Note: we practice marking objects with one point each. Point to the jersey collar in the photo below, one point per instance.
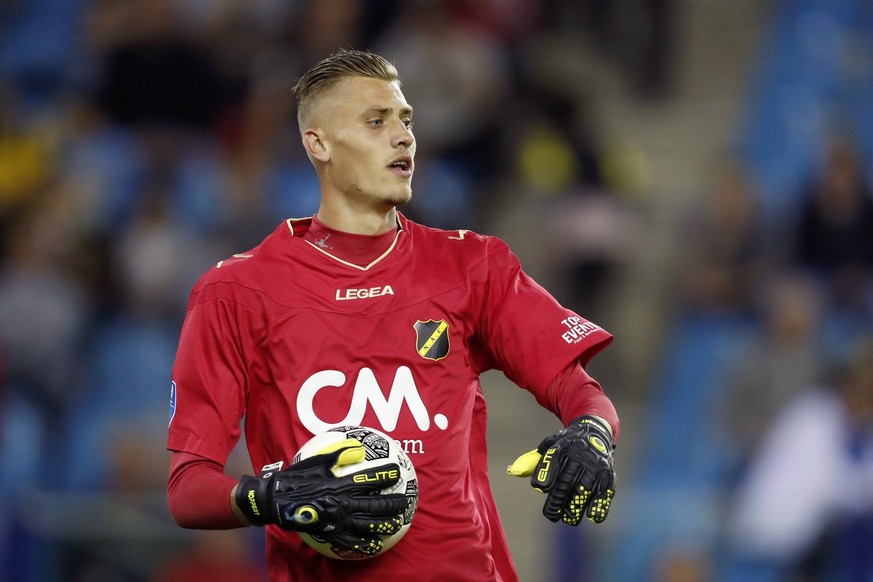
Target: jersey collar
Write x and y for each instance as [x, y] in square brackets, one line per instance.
[357, 251]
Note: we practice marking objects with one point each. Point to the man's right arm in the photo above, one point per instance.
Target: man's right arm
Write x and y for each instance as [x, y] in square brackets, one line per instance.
[200, 495]
[306, 497]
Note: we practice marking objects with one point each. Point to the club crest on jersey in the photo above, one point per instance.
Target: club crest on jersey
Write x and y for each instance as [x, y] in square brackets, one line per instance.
[432, 339]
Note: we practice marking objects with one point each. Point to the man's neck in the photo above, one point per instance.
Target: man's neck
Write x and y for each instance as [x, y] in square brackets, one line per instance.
[355, 221]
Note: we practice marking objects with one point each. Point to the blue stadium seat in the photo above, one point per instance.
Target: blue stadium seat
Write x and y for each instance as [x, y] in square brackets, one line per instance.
[684, 463]
[794, 92]
[128, 382]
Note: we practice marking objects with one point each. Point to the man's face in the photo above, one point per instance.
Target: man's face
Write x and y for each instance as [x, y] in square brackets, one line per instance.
[366, 128]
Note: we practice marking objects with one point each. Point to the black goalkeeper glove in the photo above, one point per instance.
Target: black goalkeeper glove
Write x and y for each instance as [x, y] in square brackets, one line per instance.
[573, 467]
[308, 498]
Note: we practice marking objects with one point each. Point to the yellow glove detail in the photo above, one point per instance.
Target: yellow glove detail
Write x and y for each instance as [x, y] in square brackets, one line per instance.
[354, 452]
[525, 464]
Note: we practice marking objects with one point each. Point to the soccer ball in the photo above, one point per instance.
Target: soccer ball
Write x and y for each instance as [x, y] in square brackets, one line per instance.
[380, 449]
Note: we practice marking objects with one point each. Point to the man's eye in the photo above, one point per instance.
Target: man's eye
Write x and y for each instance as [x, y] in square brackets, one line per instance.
[408, 123]
[375, 122]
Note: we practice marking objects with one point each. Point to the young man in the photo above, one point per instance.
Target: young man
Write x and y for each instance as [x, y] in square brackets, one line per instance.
[358, 316]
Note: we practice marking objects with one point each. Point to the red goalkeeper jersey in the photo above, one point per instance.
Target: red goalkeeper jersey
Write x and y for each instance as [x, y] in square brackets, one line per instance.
[296, 340]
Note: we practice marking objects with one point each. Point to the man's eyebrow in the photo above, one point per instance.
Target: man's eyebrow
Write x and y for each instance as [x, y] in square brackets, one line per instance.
[387, 110]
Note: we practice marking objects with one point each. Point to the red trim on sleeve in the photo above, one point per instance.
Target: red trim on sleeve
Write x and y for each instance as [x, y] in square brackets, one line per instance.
[198, 493]
[573, 393]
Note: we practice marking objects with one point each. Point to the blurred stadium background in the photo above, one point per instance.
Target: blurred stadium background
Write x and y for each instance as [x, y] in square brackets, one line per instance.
[694, 175]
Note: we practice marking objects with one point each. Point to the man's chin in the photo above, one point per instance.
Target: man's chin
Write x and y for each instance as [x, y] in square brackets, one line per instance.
[400, 198]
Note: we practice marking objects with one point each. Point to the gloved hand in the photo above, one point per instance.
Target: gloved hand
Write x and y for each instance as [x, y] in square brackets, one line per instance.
[307, 497]
[573, 467]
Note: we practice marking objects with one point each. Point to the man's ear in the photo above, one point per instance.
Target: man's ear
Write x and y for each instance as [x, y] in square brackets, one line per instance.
[314, 146]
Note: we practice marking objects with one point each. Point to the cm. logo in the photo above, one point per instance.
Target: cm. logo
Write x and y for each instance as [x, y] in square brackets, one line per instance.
[366, 393]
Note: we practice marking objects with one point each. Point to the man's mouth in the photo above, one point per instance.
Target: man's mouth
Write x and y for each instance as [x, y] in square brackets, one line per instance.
[402, 166]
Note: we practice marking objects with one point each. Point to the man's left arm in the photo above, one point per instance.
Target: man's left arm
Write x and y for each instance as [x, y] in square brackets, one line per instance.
[573, 393]
[574, 465]
[543, 347]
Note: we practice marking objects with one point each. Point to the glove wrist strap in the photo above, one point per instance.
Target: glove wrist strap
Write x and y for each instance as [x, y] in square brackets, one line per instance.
[595, 422]
[253, 499]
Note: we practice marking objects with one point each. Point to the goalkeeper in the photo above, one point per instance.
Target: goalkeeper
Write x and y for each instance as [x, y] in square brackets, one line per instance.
[360, 316]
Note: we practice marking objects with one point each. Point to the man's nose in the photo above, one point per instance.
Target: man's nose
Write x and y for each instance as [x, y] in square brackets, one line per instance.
[403, 136]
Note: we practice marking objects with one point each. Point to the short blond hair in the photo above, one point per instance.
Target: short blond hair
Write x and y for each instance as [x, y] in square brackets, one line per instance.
[326, 73]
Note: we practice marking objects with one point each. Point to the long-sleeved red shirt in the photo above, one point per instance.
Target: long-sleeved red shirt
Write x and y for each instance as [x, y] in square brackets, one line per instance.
[296, 335]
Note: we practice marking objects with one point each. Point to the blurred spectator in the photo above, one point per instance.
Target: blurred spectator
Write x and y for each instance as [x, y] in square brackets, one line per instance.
[44, 316]
[101, 166]
[782, 360]
[272, 176]
[724, 244]
[26, 153]
[155, 258]
[640, 36]
[592, 235]
[156, 76]
[117, 424]
[805, 508]
[557, 168]
[555, 145]
[263, 143]
[834, 235]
